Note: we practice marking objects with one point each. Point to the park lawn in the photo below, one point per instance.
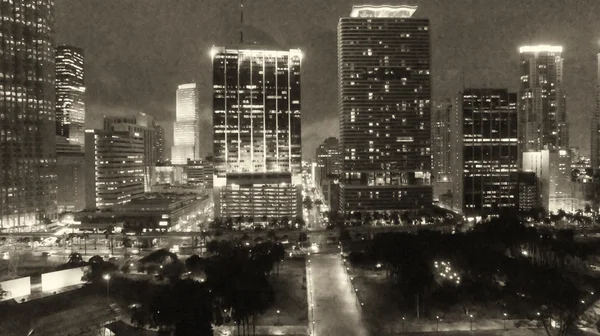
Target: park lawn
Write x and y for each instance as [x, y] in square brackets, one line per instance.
[379, 302]
[290, 295]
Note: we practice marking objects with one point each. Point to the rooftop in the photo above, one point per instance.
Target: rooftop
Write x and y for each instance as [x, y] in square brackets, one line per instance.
[384, 11]
[540, 48]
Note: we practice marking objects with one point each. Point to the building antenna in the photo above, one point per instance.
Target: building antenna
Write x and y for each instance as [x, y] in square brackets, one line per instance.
[241, 21]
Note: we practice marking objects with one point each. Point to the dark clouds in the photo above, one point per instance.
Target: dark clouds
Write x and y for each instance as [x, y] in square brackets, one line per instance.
[138, 51]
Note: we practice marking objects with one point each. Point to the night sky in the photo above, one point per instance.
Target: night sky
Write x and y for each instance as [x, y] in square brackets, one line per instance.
[138, 51]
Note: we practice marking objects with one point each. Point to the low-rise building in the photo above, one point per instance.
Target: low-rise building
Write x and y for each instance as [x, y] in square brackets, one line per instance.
[154, 212]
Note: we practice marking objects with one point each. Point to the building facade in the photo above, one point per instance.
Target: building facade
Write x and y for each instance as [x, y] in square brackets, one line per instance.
[27, 119]
[490, 151]
[384, 109]
[114, 167]
[527, 199]
[153, 212]
[542, 107]
[159, 143]
[257, 144]
[595, 126]
[327, 172]
[142, 124]
[70, 172]
[70, 94]
[185, 129]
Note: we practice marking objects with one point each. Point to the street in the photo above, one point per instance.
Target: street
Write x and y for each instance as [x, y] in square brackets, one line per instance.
[335, 309]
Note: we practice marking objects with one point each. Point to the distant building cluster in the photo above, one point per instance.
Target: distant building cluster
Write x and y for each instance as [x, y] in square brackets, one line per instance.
[478, 153]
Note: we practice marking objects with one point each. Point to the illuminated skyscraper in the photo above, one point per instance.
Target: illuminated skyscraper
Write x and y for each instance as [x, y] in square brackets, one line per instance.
[384, 109]
[542, 110]
[70, 91]
[27, 120]
[595, 147]
[185, 129]
[257, 146]
[490, 151]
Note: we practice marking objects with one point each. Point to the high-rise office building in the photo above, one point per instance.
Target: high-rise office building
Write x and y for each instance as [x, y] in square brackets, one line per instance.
[141, 123]
[328, 160]
[27, 120]
[160, 143]
[490, 151]
[327, 172]
[595, 146]
[185, 129]
[257, 145]
[70, 91]
[70, 128]
[384, 97]
[542, 109]
[444, 133]
[70, 177]
[114, 167]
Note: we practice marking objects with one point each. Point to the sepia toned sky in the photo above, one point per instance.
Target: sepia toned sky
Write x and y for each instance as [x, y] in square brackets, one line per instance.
[138, 51]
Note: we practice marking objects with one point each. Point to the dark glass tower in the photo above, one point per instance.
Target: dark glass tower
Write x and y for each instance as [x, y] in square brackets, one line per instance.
[384, 109]
[256, 120]
[27, 121]
[70, 91]
[490, 151]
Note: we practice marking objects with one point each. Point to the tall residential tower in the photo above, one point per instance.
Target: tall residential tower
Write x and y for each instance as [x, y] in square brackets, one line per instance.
[27, 120]
[542, 110]
[384, 97]
[257, 145]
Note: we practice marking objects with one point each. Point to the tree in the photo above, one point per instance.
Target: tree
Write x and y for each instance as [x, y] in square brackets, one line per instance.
[75, 259]
[3, 293]
[308, 204]
[302, 238]
[196, 264]
[300, 223]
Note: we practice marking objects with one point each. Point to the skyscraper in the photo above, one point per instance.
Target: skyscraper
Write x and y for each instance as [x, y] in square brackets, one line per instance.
[441, 146]
[185, 129]
[490, 151]
[160, 143]
[595, 146]
[27, 120]
[327, 171]
[70, 91]
[542, 110]
[257, 145]
[384, 109]
[141, 123]
[114, 166]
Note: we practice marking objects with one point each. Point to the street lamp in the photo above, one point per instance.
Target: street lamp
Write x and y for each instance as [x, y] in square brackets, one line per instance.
[505, 317]
[471, 322]
[107, 278]
[403, 321]
[278, 316]
[437, 323]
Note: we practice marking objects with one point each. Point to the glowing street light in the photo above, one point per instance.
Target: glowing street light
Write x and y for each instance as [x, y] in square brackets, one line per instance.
[471, 321]
[505, 317]
[278, 316]
[107, 278]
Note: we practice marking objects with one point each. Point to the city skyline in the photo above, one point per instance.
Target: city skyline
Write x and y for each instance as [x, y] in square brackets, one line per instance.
[462, 37]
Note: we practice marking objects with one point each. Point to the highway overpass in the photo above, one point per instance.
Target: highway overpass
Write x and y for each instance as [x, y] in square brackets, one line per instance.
[252, 233]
